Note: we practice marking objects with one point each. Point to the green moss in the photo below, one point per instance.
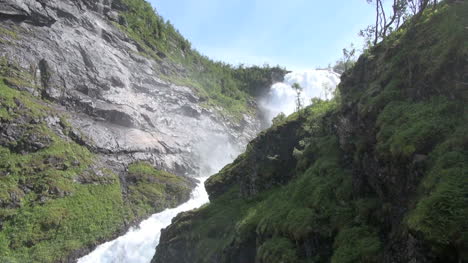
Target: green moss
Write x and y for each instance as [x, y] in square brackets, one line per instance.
[57, 198]
[441, 211]
[278, 250]
[50, 232]
[317, 203]
[406, 128]
[220, 218]
[402, 119]
[221, 86]
[46, 213]
[152, 190]
[4, 32]
[58, 215]
[356, 244]
[15, 104]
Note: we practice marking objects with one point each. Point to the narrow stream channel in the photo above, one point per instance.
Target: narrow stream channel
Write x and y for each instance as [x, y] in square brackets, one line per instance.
[139, 243]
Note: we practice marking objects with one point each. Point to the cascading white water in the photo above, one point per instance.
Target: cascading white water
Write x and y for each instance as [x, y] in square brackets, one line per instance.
[139, 243]
[316, 83]
[100, 9]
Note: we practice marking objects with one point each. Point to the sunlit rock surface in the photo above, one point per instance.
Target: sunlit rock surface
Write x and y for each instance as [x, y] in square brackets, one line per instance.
[118, 105]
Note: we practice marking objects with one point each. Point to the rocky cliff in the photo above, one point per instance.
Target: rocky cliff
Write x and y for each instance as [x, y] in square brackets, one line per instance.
[378, 174]
[102, 123]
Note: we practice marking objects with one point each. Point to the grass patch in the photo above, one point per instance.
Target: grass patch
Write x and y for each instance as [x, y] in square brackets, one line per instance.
[55, 198]
[230, 89]
[152, 190]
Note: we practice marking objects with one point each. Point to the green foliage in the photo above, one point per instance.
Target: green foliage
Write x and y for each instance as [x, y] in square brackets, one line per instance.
[317, 203]
[408, 98]
[219, 219]
[278, 250]
[59, 199]
[441, 211]
[152, 190]
[220, 85]
[347, 61]
[280, 118]
[406, 128]
[55, 215]
[49, 232]
[298, 89]
[4, 32]
[356, 244]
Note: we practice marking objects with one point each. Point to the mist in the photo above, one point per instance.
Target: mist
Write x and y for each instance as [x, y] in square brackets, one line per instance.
[138, 245]
[214, 152]
[282, 98]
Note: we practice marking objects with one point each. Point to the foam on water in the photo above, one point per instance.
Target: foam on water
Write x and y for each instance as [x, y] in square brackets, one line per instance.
[139, 244]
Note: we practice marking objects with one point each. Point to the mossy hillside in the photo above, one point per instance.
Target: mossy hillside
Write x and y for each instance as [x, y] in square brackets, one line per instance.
[441, 208]
[425, 57]
[45, 212]
[217, 230]
[264, 164]
[56, 198]
[222, 86]
[417, 98]
[406, 128]
[316, 203]
[380, 169]
[152, 190]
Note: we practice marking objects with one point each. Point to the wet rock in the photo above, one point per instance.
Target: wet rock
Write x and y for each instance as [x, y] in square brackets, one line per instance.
[114, 16]
[117, 104]
[21, 137]
[267, 164]
[90, 72]
[31, 11]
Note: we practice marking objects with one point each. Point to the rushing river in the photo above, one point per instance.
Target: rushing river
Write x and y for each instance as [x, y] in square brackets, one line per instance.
[138, 244]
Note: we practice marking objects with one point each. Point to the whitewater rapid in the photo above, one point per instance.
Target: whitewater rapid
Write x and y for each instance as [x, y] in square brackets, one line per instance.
[138, 245]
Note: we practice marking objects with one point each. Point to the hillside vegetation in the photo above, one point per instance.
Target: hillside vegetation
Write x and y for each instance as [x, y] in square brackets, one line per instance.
[60, 194]
[56, 197]
[230, 88]
[378, 174]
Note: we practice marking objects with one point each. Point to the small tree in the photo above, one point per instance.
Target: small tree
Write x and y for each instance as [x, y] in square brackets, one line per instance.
[298, 89]
[347, 61]
[385, 23]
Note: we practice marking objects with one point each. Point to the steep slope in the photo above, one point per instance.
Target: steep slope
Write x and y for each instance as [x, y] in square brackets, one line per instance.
[379, 174]
[104, 108]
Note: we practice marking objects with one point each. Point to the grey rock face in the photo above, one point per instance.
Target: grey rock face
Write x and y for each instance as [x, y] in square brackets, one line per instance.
[118, 107]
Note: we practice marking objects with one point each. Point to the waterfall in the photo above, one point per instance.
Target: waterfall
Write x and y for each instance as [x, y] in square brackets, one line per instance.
[139, 243]
[100, 10]
[316, 83]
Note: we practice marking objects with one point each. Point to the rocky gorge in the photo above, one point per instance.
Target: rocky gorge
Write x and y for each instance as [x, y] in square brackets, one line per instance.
[377, 174]
[97, 128]
[108, 119]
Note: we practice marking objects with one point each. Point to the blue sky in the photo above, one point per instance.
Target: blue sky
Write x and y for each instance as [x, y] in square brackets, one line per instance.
[298, 34]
